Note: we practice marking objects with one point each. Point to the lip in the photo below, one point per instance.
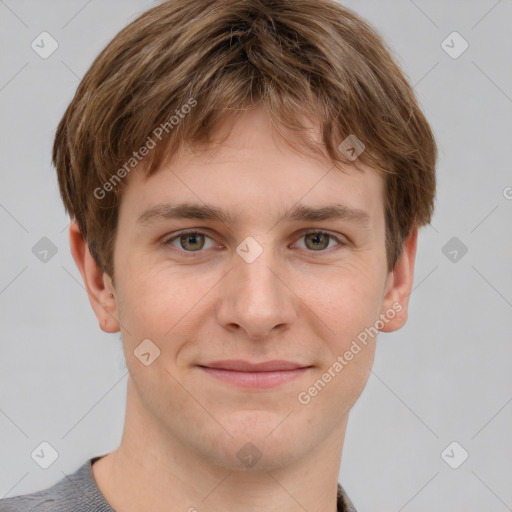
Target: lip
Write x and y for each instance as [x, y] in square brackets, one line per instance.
[248, 375]
[240, 365]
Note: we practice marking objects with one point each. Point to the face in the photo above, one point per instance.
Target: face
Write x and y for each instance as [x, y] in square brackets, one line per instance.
[256, 313]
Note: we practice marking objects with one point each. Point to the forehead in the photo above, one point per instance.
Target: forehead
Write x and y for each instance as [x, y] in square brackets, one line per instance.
[252, 170]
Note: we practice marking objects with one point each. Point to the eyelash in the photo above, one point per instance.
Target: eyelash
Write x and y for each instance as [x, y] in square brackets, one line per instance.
[194, 254]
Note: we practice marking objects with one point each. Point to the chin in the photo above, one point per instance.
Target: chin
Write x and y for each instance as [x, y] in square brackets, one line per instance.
[261, 441]
[256, 455]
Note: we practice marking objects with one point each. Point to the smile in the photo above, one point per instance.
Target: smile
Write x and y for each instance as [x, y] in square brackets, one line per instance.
[255, 376]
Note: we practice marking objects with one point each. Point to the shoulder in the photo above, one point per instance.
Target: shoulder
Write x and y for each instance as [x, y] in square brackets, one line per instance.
[40, 501]
[77, 492]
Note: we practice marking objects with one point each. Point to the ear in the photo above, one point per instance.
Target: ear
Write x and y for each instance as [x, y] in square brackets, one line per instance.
[98, 284]
[398, 286]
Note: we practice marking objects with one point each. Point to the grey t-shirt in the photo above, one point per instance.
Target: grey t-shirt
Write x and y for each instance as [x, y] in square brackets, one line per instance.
[78, 492]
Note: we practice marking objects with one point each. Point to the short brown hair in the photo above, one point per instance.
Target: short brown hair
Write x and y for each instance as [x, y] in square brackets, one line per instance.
[296, 57]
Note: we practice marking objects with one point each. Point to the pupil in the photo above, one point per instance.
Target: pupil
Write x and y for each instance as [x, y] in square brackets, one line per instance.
[190, 239]
[317, 240]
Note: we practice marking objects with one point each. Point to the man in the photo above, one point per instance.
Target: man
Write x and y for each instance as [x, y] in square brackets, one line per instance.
[246, 181]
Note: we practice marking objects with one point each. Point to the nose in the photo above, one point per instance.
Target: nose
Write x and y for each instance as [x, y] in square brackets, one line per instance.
[256, 298]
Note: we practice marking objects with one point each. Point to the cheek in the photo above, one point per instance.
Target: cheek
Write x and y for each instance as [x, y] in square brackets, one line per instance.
[349, 306]
[160, 304]
[348, 301]
[349, 309]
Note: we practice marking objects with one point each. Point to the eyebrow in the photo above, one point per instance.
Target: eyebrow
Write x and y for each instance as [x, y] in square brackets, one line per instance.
[164, 211]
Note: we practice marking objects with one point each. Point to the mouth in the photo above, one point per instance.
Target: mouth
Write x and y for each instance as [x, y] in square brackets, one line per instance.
[248, 375]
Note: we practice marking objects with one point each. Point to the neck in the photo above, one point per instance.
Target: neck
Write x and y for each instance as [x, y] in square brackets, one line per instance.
[151, 470]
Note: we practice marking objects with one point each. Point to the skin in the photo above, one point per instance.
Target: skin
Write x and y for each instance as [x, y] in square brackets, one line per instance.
[183, 428]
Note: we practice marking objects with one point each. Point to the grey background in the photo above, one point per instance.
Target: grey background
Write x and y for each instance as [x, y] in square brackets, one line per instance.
[445, 376]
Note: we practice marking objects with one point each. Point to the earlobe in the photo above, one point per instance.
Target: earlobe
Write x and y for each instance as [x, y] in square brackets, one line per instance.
[98, 284]
[398, 287]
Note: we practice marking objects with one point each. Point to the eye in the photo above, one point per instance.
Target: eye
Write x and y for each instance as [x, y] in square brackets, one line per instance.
[194, 241]
[189, 241]
[318, 241]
